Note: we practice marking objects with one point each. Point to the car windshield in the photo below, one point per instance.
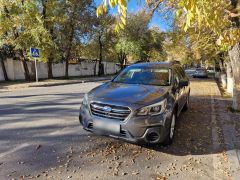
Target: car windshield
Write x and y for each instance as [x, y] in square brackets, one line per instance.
[145, 76]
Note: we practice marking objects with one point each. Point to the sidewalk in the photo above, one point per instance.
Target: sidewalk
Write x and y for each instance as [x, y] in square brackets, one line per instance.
[11, 86]
[209, 105]
[229, 124]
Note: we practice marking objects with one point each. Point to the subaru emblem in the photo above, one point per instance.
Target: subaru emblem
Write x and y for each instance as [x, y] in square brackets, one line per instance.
[107, 109]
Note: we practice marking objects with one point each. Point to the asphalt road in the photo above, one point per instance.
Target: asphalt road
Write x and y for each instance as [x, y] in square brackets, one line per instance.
[40, 137]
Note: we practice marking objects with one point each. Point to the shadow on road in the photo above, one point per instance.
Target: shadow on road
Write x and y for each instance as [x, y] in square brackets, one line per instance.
[193, 134]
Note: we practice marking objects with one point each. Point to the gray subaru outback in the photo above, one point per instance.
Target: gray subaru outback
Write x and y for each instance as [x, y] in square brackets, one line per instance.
[140, 105]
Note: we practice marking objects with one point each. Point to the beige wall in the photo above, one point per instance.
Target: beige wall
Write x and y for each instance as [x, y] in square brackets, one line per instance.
[16, 72]
[1, 74]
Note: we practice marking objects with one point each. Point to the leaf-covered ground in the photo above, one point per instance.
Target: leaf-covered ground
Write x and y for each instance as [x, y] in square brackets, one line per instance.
[40, 138]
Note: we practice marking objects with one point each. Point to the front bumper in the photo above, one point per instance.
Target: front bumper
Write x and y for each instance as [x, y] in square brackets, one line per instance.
[135, 129]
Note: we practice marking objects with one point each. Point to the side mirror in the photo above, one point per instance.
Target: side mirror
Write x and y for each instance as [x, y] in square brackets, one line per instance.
[183, 83]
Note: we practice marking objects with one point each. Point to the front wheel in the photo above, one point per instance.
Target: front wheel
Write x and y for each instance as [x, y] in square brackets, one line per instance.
[170, 136]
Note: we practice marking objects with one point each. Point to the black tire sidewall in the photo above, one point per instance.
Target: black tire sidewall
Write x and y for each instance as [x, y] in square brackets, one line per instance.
[169, 140]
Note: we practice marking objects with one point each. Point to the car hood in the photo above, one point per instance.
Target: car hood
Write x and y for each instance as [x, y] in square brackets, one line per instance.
[128, 93]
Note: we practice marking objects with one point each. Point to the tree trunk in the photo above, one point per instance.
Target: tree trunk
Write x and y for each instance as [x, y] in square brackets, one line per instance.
[66, 67]
[50, 29]
[95, 68]
[122, 59]
[230, 82]
[234, 54]
[221, 63]
[50, 59]
[101, 68]
[4, 70]
[26, 71]
[69, 48]
[49, 63]
[25, 67]
[16, 35]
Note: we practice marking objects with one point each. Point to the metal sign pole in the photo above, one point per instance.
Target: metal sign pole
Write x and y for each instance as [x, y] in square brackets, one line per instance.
[36, 70]
[35, 53]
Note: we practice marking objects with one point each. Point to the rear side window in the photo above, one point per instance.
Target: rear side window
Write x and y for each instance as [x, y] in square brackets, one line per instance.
[182, 72]
[179, 74]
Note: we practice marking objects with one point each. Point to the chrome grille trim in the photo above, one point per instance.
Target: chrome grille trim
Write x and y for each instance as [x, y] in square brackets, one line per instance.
[117, 112]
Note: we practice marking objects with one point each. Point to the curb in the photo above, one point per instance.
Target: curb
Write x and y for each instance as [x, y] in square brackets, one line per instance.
[51, 84]
[70, 82]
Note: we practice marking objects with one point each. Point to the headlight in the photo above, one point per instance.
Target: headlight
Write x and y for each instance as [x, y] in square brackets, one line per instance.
[85, 100]
[154, 109]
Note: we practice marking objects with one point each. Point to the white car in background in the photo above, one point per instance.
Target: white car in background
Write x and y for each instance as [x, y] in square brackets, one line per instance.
[211, 70]
[190, 72]
[200, 73]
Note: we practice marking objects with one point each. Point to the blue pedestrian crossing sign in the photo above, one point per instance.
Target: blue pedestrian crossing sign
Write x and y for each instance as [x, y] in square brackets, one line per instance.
[35, 53]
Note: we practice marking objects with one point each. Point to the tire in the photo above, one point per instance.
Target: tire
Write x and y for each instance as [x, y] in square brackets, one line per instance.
[185, 107]
[170, 136]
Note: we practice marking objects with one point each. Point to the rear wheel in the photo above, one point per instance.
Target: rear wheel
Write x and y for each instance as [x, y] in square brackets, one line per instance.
[170, 136]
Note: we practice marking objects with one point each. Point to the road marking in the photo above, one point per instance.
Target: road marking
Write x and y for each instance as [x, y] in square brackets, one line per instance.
[14, 150]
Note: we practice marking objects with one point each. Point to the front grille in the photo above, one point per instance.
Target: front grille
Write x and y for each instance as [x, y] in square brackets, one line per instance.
[112, 112]
[123, 132]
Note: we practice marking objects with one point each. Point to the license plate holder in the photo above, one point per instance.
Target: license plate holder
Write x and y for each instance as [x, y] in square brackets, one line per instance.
[105, 125]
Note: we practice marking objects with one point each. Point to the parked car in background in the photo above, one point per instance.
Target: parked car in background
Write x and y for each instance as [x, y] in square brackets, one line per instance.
[139, 105]
[210, 70]
[200, 73]
[190, 72]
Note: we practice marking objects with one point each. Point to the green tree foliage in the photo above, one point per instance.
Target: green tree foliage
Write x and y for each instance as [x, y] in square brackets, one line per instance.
[75, 28]
[139, 42]
[125, 48]
[103, 37]
[56, 27]
[192, 47]
[221, 19]
[101, 41]
[193, 13]
[23, 26]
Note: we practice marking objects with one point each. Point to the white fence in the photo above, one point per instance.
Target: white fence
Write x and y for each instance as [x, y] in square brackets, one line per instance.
[1, 73]
[15, 69]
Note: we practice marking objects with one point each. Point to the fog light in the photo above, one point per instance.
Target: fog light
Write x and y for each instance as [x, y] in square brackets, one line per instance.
[152, 136]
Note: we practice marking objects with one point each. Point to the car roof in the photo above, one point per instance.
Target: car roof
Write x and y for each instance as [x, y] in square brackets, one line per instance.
[165, 64]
